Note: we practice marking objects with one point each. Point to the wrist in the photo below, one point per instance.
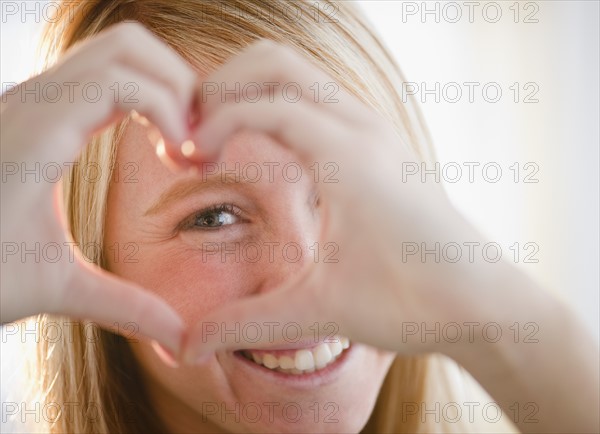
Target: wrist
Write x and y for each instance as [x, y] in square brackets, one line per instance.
[506, 310]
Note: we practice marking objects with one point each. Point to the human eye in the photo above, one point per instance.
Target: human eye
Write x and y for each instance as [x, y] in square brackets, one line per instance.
[213, 218]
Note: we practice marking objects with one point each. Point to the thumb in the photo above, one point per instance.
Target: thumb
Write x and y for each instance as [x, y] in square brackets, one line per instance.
[289, 315]
[100, 296]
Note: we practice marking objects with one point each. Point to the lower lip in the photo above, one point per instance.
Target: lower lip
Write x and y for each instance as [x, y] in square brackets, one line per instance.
[320, 377]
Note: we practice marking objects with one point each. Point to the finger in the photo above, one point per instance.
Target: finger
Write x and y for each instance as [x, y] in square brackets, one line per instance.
[287, 315]
[156, 103]
[171, 156]
[99, 296]
[312, 133]
[267, 68]
[130, 44]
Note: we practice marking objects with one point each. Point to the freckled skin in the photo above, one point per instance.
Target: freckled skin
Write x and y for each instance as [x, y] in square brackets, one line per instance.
[171, 263]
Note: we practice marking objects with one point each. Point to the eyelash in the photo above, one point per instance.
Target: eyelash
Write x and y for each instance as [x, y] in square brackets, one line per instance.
[190, 222]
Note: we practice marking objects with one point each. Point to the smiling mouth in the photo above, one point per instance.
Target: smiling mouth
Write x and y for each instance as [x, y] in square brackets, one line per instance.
[300, 361]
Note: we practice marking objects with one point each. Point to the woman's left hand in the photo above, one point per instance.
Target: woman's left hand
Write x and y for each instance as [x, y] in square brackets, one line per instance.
[381, 287]
[373, 214]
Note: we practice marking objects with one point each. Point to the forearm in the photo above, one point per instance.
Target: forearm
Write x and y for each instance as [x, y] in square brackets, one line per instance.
[551, 385]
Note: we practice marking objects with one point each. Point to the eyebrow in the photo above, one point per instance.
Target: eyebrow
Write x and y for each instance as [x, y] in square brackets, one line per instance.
[188, 187]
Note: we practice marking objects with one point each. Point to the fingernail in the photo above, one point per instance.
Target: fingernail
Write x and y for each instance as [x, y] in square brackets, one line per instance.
[142, 120]
[165, 355]
[190, 153]
[188, 148]
[173, 166]
[155, 137]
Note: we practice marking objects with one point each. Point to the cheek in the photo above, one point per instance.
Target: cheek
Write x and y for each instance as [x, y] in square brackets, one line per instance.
[192, 282]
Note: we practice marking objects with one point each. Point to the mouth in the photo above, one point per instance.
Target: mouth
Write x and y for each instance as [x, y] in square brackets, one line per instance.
[299, 361]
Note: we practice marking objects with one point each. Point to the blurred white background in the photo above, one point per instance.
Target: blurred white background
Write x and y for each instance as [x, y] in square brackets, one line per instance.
[559, 55]
[553, 46]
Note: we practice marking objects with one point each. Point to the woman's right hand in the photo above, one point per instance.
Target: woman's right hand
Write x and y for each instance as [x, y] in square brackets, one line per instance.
[39, 133]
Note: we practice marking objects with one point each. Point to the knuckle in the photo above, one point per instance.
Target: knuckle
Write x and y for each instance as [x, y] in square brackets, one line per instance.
[118, 32]
[126, 28]
[268, 49]
[285, 53]
[282, 53]
[264, 46]
[126, 35]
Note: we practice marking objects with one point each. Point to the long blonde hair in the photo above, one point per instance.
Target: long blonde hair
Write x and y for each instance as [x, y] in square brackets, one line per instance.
[101, 374]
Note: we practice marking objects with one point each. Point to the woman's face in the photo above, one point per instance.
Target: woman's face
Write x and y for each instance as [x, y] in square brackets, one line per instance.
[203, 240]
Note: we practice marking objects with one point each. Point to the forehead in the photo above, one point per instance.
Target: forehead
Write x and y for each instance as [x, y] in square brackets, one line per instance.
[247, 154]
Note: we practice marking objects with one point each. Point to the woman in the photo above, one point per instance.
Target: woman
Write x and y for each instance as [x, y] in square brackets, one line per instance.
[260, 274]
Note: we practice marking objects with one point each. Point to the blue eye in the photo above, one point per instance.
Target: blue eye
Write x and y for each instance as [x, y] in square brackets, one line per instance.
[215, 217]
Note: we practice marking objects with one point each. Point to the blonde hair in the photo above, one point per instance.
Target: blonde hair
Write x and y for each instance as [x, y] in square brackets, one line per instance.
[101, 374]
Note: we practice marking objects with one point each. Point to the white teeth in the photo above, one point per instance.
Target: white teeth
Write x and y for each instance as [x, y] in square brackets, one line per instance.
[336, 348]
[322, 355]
[286, 362]
[304, 360]
[345, 343]
[270, 361]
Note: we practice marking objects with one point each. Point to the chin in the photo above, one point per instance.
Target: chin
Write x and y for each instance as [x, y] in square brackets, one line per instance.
[299, 388]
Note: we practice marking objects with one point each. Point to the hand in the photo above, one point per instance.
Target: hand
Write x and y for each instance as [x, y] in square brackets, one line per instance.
[375, 289]
[370, 212]
[38, 133]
